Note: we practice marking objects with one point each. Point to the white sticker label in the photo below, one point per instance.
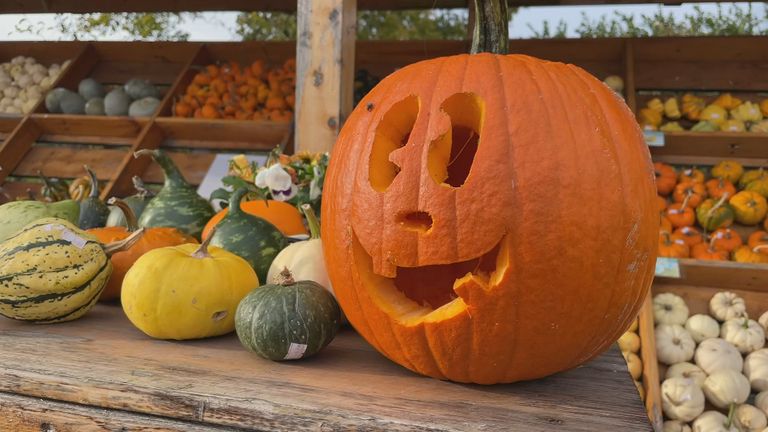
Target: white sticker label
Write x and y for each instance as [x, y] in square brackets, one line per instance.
[68, 235]
[295, 351]
[654, 138]
[667, 267]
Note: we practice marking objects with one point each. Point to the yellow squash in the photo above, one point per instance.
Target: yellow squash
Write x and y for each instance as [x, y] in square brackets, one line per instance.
[186, 292]
[749, 207]
[729, 170]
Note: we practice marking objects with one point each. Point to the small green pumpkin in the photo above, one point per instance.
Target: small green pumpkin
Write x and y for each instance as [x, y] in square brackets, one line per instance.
[93, 211]
[136, 202]
[288, 320]
[759, 186]
[177, 205]
[713, 214]
[250, 237]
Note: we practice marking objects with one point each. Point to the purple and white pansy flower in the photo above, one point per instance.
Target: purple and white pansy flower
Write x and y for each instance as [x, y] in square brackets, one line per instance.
[278, 181]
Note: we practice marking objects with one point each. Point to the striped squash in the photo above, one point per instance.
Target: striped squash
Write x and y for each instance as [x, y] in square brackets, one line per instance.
[51, 271]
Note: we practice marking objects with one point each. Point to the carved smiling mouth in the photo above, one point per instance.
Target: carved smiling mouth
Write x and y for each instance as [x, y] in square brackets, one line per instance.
[418, 293]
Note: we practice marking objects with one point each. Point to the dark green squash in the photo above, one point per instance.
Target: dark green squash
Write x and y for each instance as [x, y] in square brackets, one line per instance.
[288, 320]
[93, 211]
[177, 205]
[250, 237]
[136, 202]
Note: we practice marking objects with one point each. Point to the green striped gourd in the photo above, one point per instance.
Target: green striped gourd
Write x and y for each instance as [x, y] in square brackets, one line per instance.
[713, 214]
[287, 320]
[93, 211]
[16, 215]
[52, 271]
[177, 205]
[137, 203]
[249, 237]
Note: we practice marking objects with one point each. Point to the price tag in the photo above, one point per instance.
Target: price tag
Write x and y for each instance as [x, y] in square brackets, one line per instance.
[654, 138]
[667, 267]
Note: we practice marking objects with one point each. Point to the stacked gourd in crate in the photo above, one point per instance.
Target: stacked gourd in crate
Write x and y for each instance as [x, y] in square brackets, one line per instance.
[698, 210]
[724, 112]
[713, 365]
[23, 82]
[629, 344]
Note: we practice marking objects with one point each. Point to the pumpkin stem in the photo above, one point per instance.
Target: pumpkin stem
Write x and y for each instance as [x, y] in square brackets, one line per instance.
[126, 243]
[173, 177]
[130, 217]
[712, 244]
[314, 225]
[685, 201]
[202, 251]
[491, 32]
[717, 205]
[235, 199]
[285, 278]
[731, 412]
[94, 182]
[758, 248]
[141, 188]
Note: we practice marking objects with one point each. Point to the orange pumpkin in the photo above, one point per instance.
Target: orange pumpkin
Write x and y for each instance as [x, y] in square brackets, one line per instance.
[666, 178]
[757, 238]
[695, 191]
[665, 224]
[152, 238]
[680, 214]
[670, 247]
[439, 240]
[662, 202]
[709, 252]
[692, 174]
[717, 187]
[756, 255]
[726, 239]
[690, 235]
[282, 215]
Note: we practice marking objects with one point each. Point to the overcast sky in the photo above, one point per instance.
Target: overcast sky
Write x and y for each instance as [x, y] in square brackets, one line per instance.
[219, 26]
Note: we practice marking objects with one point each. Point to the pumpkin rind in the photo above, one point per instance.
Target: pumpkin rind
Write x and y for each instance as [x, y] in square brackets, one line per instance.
[493, 331]
[749, 207]
[282, 215]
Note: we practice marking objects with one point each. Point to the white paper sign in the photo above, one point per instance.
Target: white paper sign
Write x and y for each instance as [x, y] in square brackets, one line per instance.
[667, 267]
[654, 138]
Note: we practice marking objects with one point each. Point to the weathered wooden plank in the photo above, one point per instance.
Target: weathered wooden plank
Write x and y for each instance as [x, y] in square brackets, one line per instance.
[325, 53]
[721, 274]
[252, 135]
[13, 149]
[121, 130]
[630, 89]
[68, 161]
[716, 145]
[25, 414]
[646, 331]
[192, 165]
[102, 361]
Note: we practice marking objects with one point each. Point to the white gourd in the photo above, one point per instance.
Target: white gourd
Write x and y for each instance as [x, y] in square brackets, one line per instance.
[761, 402]
[743, 333]
[726, 387]
[756, 369]
[24, 81]
[11, 91]
[681, 399]
[718, 354]
[763, 321]
[713, 421]
[702, 327]
[686, 370]
[675, 426]
[726, 305]
[673, 344]
[749, 419]
[669, 308]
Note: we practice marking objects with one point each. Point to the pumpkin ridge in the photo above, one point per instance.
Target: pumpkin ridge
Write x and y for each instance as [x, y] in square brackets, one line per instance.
[33, 270]
[86, 306]
[56, 296]
[39, 245]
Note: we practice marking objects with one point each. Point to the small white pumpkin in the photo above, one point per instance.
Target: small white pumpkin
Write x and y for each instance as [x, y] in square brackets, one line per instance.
[634, 364]
[726, 305]
[749, 419]
[713, 421]
[743, 333]
[725, 387]
[686, 370]
[756, 369]
[702, 327]
[675, 426]
[763, 320]
[761, 402]
[629, 342]
[669, 308]
[673, 344]
[717, 354]
[681, 399]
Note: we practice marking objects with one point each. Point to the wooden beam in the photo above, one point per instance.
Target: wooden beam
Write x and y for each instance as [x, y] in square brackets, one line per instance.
[122, 184]
[325, 53]
[17, 145]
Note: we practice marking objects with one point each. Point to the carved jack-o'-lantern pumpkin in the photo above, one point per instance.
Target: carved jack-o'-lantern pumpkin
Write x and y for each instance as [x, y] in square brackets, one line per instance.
[490, 218]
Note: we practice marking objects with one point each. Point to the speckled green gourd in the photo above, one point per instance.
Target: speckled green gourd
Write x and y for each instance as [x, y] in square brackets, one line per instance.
[17, 214]
[93, 211]
[137, 203]
[287, 321]
[250, 237]
[177, 205]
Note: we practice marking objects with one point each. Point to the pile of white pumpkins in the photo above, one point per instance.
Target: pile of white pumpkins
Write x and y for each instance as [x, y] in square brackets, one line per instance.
[716, 377]
[23, 81]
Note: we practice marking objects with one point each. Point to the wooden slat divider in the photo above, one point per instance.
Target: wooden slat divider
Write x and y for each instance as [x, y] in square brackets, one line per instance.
[121, 184]
[181, 82]
[13, 149]
[630, 91]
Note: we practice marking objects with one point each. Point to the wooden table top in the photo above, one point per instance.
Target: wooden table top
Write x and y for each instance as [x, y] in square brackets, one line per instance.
[100, 373]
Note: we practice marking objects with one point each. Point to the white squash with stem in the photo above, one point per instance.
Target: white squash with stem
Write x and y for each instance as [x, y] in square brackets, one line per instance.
[756, 370]
[686, 370]
[673, 344]
[669, 308]
[745, 334]
[702, 327]
[681, 399]
[726, 305]
[726, 387]
[713, 421]
[749, 419]
[718, 354]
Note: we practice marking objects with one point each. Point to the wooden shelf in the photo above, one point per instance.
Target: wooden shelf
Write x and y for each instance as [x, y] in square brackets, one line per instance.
[709, 148]
[116, 374]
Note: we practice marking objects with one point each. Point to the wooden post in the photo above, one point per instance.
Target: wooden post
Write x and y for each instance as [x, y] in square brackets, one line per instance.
[325, 54]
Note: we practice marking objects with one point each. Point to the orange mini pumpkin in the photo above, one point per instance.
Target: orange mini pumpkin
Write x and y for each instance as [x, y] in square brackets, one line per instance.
[690, 235]
[662, 202]
[726, 239]
[717, 187]
[680, 214]
[696, 191]
[152, 238]
[666, 178]
[692, 174]
[709, 252]
[669, 247]
[282, 215]
[438, 236]
[757, 238]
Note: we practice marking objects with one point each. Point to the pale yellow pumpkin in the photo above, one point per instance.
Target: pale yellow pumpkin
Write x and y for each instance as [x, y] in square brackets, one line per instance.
[186, 292]
[749, 207]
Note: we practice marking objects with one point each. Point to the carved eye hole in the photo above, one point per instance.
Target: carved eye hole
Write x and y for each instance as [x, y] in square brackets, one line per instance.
[451, 155]
[392, 133]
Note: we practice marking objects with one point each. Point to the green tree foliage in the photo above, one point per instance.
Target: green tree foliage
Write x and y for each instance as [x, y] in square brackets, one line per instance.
[139, 26]
[732, 21]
